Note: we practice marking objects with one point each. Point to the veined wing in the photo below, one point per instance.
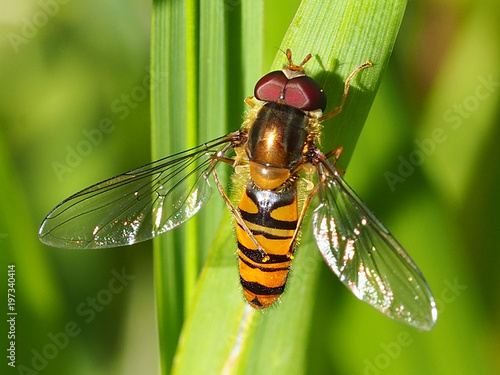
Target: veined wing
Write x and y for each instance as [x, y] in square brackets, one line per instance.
[366, 257]
[137, 205]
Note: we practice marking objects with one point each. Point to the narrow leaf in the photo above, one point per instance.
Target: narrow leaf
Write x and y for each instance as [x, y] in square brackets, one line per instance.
[340, 35]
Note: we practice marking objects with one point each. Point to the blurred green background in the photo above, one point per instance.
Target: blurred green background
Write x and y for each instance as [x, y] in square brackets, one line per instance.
[74, 109]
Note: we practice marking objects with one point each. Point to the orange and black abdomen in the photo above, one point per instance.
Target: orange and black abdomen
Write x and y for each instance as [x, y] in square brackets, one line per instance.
[271, 216]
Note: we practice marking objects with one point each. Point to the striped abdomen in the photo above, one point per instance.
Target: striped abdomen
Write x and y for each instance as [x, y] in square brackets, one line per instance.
[271, 216]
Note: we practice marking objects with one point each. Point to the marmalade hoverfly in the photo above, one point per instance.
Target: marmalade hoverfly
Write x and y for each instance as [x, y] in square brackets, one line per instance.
[275, 153]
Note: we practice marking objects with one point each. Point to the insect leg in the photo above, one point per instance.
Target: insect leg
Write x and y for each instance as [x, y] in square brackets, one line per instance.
[346, 90]
[238, 217]
[300, 219]
[320, 159]
[252, 102]
[336, 155]
[226, 160]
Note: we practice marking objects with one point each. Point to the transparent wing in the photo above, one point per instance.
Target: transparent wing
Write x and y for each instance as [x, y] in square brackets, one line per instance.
[366, 257]
[137, 205]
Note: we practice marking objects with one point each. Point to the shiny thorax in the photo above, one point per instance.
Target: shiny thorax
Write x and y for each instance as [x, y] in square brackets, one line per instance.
[275, 144]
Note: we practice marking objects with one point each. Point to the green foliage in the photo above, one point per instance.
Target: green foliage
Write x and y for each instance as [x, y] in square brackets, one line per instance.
[242, 340]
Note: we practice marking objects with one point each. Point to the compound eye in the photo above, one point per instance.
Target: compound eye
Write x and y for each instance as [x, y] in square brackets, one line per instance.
[270, 87]
[305, 93]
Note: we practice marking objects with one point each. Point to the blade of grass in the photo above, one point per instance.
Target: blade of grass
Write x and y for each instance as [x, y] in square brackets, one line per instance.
[174, 128]
[189, 106]
[252, 39]
[212, 104]
[361, 32]
[341, 36]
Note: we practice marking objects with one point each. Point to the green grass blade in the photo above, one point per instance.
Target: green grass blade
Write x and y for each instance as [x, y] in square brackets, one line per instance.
[212, 105]
[174, 128]
[341, 36]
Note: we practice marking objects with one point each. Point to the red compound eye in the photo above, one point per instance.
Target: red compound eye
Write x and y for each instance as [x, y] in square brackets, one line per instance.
[305, 93]
[270, 87]
[301, 92]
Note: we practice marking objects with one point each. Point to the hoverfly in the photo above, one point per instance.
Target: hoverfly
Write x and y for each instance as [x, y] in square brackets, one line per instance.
[276, 155]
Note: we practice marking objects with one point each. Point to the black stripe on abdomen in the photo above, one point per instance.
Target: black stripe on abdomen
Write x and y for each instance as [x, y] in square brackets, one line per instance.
[264, 219]
[261, 290]
[256, 256]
